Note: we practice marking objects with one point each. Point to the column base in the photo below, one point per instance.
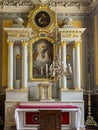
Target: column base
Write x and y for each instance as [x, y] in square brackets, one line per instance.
[9, 88]
[23, 89]
[77, 88]
[64, 89]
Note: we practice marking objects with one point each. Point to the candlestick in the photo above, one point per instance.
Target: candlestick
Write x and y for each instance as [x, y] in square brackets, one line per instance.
[90, 120]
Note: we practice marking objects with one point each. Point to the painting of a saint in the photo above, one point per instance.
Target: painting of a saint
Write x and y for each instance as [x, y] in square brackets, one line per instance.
[42, 58]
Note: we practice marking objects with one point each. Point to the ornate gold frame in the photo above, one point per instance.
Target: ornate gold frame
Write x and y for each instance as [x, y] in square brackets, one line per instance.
[32, 16]
[34, 42]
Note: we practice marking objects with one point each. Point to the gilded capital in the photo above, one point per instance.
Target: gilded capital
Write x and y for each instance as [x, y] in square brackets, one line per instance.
[24, 42]
[63, 43]
[77, 43]
[10, 42]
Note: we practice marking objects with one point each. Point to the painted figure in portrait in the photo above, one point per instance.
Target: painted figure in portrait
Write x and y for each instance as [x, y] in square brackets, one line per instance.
[42, 58]
[42, 19]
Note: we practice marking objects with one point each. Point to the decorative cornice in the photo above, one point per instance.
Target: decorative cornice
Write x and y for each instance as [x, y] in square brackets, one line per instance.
[86, 5]
[18, 33]
[71, 34]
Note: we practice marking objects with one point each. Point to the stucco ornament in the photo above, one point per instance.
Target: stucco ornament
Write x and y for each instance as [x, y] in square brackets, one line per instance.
[68, 21]
[18, 22]
[44, 1]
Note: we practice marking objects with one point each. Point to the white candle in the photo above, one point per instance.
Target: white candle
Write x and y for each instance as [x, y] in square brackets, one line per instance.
[47, 70]
[41, 70]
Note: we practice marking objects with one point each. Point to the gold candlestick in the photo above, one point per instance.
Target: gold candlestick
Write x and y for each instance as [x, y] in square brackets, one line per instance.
[90, 120]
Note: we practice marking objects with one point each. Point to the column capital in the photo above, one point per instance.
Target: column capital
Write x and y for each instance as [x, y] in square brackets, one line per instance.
[63, 43]
[10, 42]
[24, 42]
[77, 43]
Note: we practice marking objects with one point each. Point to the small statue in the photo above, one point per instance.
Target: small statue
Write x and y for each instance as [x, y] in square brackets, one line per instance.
[67, 21]
[18, 22]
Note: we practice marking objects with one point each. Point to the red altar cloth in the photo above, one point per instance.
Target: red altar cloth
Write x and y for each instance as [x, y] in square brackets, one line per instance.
[30, 118]
[47, 106]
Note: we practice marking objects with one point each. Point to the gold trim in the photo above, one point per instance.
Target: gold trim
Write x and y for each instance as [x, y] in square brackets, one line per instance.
[64, 89]
[18, 56]
[24, 42]
[32, 41]
[32, 16]
[71, 90]
[77, 88]
[10, 42]
[77, 43]
[24, 87]
[17, 90]
[64, 43]
[68, 57]
[18, 33]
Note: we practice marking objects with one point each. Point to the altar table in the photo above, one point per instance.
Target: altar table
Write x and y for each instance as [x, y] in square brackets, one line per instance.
[75, 114]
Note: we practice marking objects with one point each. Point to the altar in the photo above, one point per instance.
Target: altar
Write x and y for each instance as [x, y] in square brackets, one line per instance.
[44, 74]
[27, 116]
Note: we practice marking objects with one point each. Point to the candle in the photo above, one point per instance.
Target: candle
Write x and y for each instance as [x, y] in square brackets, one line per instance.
[41, 70]
[47, 70]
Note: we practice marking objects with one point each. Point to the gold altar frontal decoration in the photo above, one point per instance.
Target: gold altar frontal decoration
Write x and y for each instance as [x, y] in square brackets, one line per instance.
[45, 91]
